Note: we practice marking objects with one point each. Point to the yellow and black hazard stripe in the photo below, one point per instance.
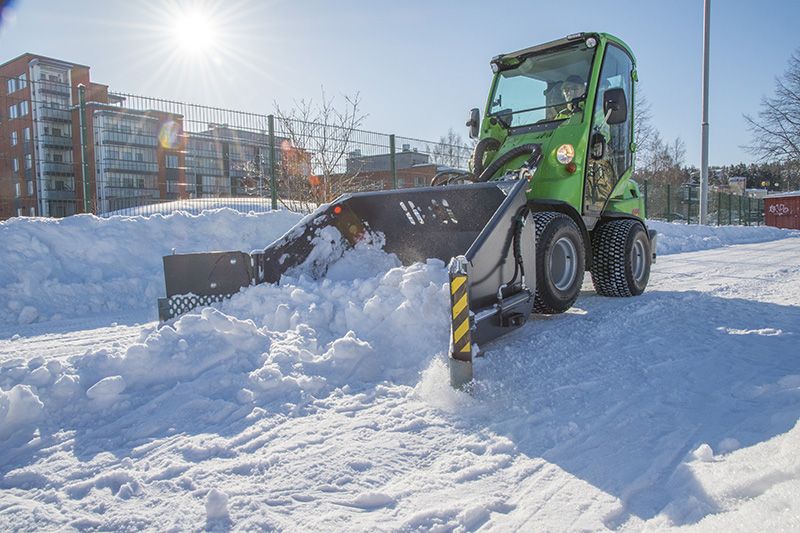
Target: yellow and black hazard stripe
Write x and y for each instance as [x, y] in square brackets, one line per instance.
[459, 301]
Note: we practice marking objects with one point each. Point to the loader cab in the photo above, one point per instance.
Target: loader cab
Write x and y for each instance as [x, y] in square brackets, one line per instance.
[585, 136]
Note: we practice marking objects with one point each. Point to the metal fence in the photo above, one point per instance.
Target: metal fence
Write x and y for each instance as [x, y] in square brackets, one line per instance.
[70, 151]
[65, 151]
[682, 203]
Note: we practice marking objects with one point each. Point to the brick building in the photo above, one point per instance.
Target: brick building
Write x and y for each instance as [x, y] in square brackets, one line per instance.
[132, 156]
[373, 172]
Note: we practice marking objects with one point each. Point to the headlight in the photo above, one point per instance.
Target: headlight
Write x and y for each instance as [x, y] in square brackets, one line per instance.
[565, 154]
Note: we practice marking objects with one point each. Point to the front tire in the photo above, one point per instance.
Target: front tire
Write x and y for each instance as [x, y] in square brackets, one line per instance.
[560, 262]
[621, 259]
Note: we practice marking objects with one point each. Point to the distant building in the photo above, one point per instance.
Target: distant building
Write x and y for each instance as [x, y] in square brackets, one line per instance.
[737, 184]
[132, 157]
[374, 172]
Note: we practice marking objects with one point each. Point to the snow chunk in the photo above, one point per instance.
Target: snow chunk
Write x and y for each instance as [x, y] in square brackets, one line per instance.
[28, 315]
[20, 409]
[107, 389]
[216, 505]
[703, 453]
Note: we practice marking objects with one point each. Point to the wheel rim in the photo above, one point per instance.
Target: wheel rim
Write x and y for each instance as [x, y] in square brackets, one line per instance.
[563, 264]
[638, 260]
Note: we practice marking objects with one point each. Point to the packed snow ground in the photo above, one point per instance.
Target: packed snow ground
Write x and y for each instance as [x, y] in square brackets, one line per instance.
[324, 404]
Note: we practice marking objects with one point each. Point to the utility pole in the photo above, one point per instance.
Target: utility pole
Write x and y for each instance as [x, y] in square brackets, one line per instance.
[704, 124]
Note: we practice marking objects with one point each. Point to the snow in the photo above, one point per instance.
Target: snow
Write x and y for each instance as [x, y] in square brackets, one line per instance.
[59, 268]
[323, 404]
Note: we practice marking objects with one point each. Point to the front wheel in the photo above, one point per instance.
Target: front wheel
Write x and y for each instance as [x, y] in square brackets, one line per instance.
[621, 258]
[560, 262]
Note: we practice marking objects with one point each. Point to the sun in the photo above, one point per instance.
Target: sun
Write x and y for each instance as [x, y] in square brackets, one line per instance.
[195, 32]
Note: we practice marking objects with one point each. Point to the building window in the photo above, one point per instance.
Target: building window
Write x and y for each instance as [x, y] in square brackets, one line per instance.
[28, 161]
[17, 190]
[23, 108]
[12, 111]
[27, 134]
[30, 188]
[139, 156]
[33, 211]
[15, 164]
[12, 85]
[23, 81]
[13, 138]
[171, 161]
[58, 158]
[19, 211]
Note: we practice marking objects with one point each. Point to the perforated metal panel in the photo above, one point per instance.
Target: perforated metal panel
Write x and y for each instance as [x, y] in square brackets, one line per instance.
[177, 305]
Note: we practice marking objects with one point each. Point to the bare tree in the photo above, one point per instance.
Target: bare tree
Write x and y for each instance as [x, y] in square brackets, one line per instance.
[643, 131]
[325, 134]
[451, 151]
[252, 181]
[776, 130]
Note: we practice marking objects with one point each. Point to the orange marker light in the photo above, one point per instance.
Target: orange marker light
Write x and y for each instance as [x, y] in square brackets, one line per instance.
[337, 210]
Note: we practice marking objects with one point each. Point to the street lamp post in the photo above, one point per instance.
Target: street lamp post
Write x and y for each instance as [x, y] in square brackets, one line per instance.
[704, 124]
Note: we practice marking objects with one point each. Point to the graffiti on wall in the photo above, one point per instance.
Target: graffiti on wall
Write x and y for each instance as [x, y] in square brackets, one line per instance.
[779, 209]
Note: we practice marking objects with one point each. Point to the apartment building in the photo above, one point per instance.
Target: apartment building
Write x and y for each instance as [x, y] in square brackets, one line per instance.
[129, 156]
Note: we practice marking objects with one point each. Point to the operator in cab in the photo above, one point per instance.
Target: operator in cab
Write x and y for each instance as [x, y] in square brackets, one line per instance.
[573, 89]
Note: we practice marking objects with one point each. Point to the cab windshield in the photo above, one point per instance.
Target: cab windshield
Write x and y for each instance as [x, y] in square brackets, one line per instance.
[545, 87]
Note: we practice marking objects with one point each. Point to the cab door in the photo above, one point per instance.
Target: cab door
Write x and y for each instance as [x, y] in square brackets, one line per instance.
[609, 144]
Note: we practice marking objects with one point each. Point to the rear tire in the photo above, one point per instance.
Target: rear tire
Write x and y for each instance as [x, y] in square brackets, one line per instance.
[621, 259]
[560, 262]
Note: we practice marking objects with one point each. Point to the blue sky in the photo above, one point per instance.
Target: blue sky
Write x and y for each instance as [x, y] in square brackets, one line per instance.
[419, 66]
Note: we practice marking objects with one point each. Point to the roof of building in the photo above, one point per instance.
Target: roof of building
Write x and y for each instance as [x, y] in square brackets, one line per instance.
[32, 56]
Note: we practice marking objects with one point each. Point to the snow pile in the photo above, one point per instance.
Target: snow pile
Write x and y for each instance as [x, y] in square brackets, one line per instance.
[678, 238]
[268, 344]
[57, 268]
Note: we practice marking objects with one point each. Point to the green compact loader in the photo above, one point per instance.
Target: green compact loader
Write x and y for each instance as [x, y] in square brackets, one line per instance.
[549, 195]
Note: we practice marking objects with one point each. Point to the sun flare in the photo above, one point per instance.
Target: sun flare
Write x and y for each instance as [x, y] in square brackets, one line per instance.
[195, 32]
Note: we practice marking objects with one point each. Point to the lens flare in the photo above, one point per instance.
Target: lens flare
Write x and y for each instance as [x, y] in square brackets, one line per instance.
[168, 135]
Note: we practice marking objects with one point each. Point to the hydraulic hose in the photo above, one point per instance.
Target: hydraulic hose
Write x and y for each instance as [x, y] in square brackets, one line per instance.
[484, 145]
[524, 149]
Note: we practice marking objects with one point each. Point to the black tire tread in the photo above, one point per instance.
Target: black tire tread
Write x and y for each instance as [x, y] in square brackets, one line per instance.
[542, 220]
[609, 243]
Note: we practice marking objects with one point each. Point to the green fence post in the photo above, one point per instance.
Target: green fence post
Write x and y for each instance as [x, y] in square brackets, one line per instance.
[84, 142]
[689, 206]
[730, 209]
[273, 182]
[393, 160]
[740, 211]
[719, 208]
[749, 212]
[669, 210]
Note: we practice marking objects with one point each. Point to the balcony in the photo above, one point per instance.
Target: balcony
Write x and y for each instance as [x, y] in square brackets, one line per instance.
[124, 165]
[115, 191]
[56, 141]
[128, 139]
[59, 190]
[52, 168]
[54, 114]
[53, 87]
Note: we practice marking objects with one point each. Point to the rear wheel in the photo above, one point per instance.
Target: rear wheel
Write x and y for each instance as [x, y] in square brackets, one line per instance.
[560, 262]
[621, 259]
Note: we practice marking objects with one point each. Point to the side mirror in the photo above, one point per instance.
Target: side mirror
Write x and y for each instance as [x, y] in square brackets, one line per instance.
[614, 101]
[474, 123]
